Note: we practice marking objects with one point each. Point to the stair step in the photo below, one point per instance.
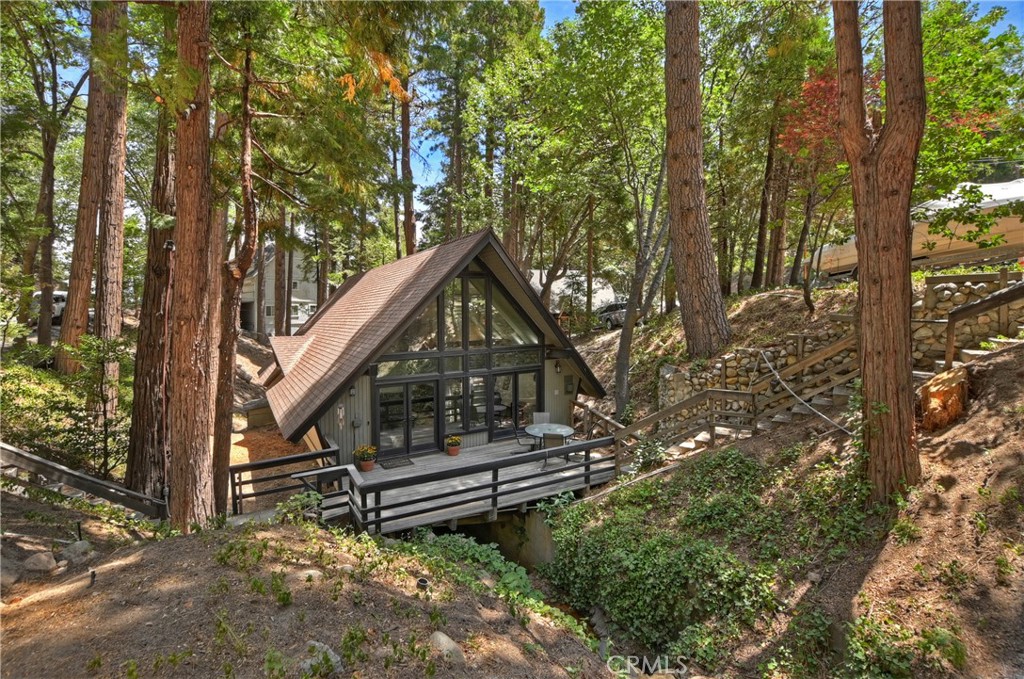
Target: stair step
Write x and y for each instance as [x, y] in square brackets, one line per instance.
[968, 355]
[821, 401]
[922, 375]
[1002, 343]
[840, 390]
[782, 417]
[720, 433]
[764, 425]
[801, 409]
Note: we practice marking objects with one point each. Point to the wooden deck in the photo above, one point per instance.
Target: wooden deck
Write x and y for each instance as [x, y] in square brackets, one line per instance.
[442, 489]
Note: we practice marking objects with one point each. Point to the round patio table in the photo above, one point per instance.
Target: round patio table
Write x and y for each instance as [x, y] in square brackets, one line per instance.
[550, 429]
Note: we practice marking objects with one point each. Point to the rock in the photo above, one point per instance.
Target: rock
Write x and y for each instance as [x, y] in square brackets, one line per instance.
[347, 568]
[43, 561]
[943, 295]
[308, 576]
[923, 332]
[814, 577]
[959, 298]
[10, 573]
[324, 663]
[446, 646]
[244, 374]
[78, 552]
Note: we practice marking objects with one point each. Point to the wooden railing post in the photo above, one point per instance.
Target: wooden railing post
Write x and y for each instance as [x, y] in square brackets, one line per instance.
[494, 498]
[1004, 310]
[376, 513]
[586, 478]
[950, 341]
[234, 494]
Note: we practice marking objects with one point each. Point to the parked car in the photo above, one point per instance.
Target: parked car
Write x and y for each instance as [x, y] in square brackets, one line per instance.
[614, 315]
[60, 300]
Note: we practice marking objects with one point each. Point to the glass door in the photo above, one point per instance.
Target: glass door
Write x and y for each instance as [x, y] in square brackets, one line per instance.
[408, 418]
[515, 401]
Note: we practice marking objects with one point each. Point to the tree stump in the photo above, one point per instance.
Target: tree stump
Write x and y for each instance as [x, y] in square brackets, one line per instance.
[943, 398]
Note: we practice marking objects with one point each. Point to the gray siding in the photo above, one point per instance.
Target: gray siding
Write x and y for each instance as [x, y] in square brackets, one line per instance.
[356, 410]
[556, 400]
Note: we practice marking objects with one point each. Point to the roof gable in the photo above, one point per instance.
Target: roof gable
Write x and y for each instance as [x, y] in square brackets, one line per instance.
[366, 313]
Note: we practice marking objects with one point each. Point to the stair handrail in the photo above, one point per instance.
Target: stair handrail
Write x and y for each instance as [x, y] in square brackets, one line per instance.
[997, 299]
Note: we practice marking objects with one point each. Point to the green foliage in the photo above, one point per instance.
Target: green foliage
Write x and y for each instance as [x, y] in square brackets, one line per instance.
[298, 508]
[649, 453]
[60, 417]
[274, 665]
[551, 507]
[878, 647]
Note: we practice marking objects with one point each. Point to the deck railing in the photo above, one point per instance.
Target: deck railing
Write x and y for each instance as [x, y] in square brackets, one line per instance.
[371, 511]
[253, 487]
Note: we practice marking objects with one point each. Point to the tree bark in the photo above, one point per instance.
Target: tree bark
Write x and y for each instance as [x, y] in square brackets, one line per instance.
[882, 163]
[147, 439]
[261, 286]
[288, 292]
[757, 277]
[44, 213]
[777, 236]
[700, 299]
[191, 472]
[280, 276]
[76, 311]
[109, 283]
[408, 187]
[801, 245]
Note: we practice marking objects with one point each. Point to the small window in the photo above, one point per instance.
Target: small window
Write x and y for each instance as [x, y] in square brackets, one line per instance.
[295, 285]
[269, 311]
[312, 309]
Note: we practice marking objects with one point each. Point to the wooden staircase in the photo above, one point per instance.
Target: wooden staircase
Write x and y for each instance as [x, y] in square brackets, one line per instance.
[704, 419]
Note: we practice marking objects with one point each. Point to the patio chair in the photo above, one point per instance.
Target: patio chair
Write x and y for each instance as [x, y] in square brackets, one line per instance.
[540, 417]
[524, 439]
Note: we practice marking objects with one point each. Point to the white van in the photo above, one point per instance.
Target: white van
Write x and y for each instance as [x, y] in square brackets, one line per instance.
[60, 300]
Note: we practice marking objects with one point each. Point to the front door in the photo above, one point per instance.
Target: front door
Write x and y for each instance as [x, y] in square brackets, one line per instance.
[408, 418]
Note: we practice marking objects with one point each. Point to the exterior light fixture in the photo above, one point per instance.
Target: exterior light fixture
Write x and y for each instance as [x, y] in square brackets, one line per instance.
[352, 392]
[558, 367]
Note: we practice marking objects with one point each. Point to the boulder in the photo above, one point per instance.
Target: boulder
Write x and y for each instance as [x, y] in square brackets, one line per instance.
[323, 663]
[446, 646]
[43, 561]
[77, 552]
[10, 573]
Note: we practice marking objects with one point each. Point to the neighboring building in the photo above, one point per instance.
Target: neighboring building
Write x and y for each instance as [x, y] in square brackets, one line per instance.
[303, 291]
[570, 291]
[449, 340]
[928, 250]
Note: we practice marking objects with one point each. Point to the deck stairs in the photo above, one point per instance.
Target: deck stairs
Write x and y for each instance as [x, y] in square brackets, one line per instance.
[714, 416]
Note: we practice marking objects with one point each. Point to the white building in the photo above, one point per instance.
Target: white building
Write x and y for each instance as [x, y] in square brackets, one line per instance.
[303, 304]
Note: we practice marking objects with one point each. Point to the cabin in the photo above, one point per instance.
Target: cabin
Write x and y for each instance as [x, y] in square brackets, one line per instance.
[450, 340]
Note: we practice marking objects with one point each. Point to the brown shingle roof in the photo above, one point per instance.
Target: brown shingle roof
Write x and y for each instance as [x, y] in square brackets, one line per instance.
[334, 346]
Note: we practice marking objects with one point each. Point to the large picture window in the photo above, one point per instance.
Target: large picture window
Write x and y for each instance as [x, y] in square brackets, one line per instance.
[472, 356]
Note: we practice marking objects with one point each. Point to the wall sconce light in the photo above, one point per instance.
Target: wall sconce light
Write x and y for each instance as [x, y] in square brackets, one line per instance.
[558, 367]
[352, 392]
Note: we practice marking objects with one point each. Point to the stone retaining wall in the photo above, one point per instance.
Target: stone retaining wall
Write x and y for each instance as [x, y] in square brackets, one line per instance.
[943, 293]
[741, 367]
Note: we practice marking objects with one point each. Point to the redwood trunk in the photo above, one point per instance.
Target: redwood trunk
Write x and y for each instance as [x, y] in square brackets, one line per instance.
[147, 438]
[805, 232]
[261, 287]
[76, 313]
[231, 301]
[191, 473]
[44, 213]
[109, 281]
[882, 166]
[700, 299]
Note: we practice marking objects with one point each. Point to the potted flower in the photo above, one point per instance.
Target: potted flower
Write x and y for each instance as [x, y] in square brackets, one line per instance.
[453, 442]
[365, 456]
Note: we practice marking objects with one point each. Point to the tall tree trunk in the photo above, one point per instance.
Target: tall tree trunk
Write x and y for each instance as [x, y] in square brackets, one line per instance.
[76, 311]
[801, 245]
[110, 281]
[777, 237]
[457, 168]
[261, 286]
[882, 165]
[288, 329]
[323, 267]
[281, 311]
[191, 474]
[44, 214]
[700, 299]
[489, 144]
[408, 217]
[233, 279]
[757, 277]
[147, 439]
[590, 255]
[396, 197]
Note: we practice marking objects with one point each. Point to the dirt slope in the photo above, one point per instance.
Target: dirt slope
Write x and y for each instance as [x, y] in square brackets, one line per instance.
[236, 602]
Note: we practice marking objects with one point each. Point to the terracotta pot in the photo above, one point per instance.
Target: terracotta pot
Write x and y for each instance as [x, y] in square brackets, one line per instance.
[453, 450]
[365, 465]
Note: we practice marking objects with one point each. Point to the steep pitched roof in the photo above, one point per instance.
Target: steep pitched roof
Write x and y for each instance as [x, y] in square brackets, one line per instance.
[359, 320]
